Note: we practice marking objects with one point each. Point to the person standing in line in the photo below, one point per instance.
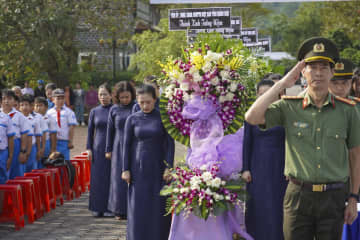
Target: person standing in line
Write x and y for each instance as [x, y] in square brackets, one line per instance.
[66, 121]
[263, 170]
[79, 100]
[91, 98]
[21, 128]
[7, 134]
[40, 89]
[150, 80]
[41, 107]
[17, 91]
[27, 89]
[146, 146]
[49, 88]
[100, 167]
[125, 98]
[356, 83]
[26, 108]
[44, 130]
[322, 134]
[69, 97]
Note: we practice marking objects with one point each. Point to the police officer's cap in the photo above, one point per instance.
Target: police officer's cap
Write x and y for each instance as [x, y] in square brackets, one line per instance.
[58, 93]
[318, 49]
[343, 70]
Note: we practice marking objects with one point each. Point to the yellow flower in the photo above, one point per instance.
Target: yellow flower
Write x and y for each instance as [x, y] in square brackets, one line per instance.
[198, 61]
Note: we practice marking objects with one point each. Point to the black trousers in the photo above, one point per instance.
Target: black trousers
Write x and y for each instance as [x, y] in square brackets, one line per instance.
[313, 215]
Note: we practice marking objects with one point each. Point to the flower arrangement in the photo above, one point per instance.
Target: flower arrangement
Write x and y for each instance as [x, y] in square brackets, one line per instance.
[202, 192]
[221, 70]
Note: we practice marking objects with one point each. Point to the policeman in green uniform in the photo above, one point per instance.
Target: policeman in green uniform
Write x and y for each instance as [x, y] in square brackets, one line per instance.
[340, 84]
[322, 134]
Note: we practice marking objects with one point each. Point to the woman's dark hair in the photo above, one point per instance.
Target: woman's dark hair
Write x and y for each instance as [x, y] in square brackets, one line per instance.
[41, 100]
[151, 80]
[8, 93]
[265, 82]
[124, 86]
[27, 98]
[106, 87]
[147, 89]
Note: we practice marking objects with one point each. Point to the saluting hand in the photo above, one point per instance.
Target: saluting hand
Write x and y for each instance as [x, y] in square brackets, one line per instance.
[291, 77]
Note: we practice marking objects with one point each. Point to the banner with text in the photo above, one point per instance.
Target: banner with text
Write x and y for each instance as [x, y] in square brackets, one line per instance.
[199, 18]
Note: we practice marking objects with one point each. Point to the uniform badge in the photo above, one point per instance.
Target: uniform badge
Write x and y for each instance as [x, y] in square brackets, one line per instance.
[318, 48]
[339, 66]
[301, 125]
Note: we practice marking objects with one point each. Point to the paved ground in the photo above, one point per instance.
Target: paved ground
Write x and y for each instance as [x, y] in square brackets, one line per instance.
[72, 220]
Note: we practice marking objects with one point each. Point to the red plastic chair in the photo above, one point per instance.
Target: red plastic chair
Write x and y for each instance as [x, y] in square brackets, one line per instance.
[77, 186]
[28, 194]
[44, 187]
[87, 162]
[39, 202]
[65, 182]
[50, 176]
[58, 192]
[12, 205]
[82, 176]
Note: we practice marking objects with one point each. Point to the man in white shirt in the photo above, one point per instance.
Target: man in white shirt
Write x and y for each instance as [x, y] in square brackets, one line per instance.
[66, 121]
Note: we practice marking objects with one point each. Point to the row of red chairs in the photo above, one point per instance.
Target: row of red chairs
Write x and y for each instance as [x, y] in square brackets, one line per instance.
[38, 191]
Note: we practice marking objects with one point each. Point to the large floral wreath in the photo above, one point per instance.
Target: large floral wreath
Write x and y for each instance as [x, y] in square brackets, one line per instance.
[223, 71]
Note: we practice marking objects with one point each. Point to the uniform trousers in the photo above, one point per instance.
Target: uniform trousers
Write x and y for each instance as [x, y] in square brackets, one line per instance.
[312, 215]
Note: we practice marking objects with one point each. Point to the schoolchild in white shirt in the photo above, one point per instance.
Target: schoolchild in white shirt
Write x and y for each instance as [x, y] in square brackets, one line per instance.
[21, 128]
[66, 121]
[41, 107]
[6, 146]
[26, 102]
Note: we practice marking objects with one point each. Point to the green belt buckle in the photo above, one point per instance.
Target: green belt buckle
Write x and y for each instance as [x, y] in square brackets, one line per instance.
[318, 188]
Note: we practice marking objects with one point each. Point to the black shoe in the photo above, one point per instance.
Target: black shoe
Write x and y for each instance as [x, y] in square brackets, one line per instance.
[97, 214]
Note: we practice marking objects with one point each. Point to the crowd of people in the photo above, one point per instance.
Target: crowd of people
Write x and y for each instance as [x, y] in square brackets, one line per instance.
[284, 167]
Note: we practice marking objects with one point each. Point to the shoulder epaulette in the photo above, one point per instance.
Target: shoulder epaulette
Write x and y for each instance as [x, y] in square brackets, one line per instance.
[345, 100]
[356, 99]
[292, 97]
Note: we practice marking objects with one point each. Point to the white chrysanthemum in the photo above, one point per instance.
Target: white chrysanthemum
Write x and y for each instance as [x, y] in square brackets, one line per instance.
[193, 70]
[227, 198]
[181, 77]
[225, 74]
[207, 67]
[176, 190]
[212, 57]
[222, 99]
[216, 182]
[227, 67]
[184, 86]
[223, 183]
[207, 176]
[184, 190]
[215, 81]
[209, 192]
[197, 77]
[233, 86]
[229, 96]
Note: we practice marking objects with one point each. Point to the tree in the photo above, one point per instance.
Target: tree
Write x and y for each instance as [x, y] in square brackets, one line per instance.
[154, 47]
[38, 35]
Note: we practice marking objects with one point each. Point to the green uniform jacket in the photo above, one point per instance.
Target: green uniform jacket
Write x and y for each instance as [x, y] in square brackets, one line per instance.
[317, 139]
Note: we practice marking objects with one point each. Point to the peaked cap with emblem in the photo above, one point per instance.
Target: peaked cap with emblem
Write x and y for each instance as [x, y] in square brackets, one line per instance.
[343, 70]
[318, 49]
[58, 93]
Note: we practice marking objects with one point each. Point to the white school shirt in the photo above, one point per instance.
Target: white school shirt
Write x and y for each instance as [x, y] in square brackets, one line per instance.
[52, 125]
[6, 130]
[36, 129]
[20, 123]
[67, 119]
[44, 127]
